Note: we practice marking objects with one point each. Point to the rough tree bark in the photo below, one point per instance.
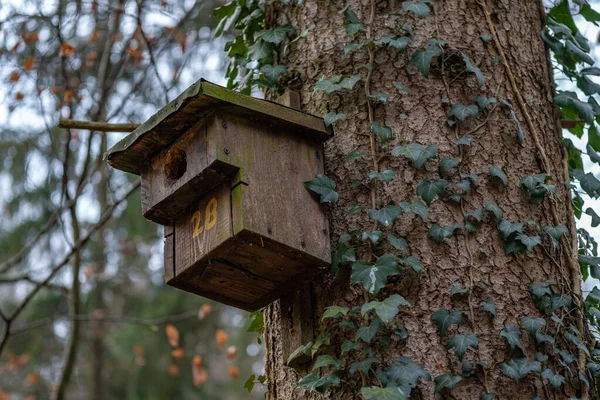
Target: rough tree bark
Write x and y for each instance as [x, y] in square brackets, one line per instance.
[507, 278]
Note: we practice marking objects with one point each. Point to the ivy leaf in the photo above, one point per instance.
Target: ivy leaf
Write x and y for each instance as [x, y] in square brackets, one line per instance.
[354, 24]
[489, 306]
[412, 262]
[513, 117]
[419, 208]
[487, 396]
[379, 393]
[363, 365]
[313, 381]
[326, 360]
[398, 42]
[275, 35]
[519, 367]
[402, 87]
[272, 73]
[512, 335]
[353, 155]
[348, 346]
[374, 277]
[460, 343]
[422, 58]
[493, 208]
[385, 176]
[448, 163]
[483, 102]
[249, 384]
[595, 217]
[406, 373]
[485, 38]
[556, 380]
[445, 319]
[465, 140]
[575, 340]
[427, 190]
[386, 310]
[350, 47]
[438, 233]
[446, 381]
[507, 228]
[559, 301]
[302, 350]
[541, 338]
[324, 186]
[529, 241]
[261, 50]
[380, 97]
[416, 152]
[469, 67]
[420, 9]
[332, 117]
[372, 236]
[398, 243]
[334, 312]
[555, 232]
[458, 289]
[532, 325]
[383, 132]
[498, 173]
[462, 112]
[387, 215]
[367, 333]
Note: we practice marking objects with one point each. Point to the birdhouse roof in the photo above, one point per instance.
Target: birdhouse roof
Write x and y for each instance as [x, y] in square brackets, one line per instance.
[163, 128]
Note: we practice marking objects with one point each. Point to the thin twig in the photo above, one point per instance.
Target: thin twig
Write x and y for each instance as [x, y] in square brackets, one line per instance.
[96, 126]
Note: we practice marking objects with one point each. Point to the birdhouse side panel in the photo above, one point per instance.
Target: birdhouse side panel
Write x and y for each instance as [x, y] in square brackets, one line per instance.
[203, 228]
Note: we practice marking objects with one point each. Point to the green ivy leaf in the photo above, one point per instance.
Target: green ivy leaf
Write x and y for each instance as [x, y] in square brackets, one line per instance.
[326, 360]
[353, 155]
[446, 381]
[448, 163]
[462, 112]
[312, 382]
[272, 73]
[398, 243]
[493, 208]
[460, 343]
[483, 102]
[519, 367]
[386, 310]
[428, 190]
[498, 173]
[485, 38]
[386, 215]
[513, 336]
[507, 228]
[458, 289]
[374, 277]
[334, 312]
[275, 35]
[406, 373]
[363, 365]
[261, 51]
[420, 9]
[354, 24]
[595, 217]
[323, 186]
[556, 380]
[380, 97]
[445, 319]
[372, 236]
[469, 67]
[489, 306]
[532, 325]
[529, 241]
[350, 47]
[401, 87]
[383, 132]
[422, 58]
[465, 140]
[332, 117]
[487, 396]
[379, 393]
[385, 176]
[418, 153]
[438, 233]
[412, 262]
[300, 351]
[348, 346]
[513, 117]
[541, 338]
[559, 301]
[575, 340]
[355, 209]
[367, 333]
[249, 384]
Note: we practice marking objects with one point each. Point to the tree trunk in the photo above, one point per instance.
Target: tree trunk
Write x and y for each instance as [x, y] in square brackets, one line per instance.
[476, 260]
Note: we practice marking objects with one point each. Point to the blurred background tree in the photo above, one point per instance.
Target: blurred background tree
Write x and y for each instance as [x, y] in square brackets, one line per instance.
[100, 324]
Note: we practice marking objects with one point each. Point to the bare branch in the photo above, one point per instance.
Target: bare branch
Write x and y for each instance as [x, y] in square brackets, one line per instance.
[96, 126]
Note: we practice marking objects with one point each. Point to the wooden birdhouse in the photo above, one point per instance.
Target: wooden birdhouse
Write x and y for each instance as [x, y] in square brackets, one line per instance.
[224, 172]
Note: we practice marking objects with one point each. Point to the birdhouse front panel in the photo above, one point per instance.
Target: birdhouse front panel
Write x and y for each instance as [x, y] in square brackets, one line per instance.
[227, 184]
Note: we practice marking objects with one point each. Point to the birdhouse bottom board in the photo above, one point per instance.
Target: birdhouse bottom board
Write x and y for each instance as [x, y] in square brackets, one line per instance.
[246, 270]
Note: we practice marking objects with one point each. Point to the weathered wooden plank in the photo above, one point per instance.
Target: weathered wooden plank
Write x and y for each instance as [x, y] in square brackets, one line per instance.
[296, 309]
[169, 255]
[205, 226]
